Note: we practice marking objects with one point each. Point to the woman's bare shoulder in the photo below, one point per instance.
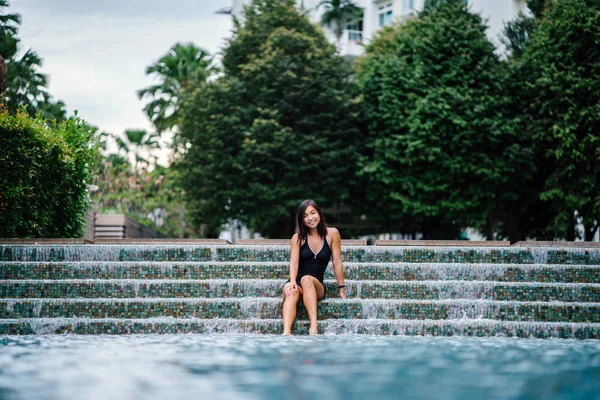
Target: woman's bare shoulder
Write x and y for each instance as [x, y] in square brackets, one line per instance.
[294, 240]
[332, 232]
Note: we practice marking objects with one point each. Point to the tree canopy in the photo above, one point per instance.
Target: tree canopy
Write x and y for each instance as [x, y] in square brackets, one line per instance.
[21, 82]
[182, 67]
[336, 13]
[278, 127]
[442, 146]
[563, 55]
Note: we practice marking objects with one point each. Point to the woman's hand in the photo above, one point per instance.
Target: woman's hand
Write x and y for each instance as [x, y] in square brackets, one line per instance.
[343, 293]
[292, 288]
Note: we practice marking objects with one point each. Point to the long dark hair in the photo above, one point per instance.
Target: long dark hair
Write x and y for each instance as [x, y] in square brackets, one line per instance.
[302, 229]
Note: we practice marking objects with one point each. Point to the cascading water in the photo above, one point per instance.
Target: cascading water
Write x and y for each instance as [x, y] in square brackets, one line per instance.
[485, 291]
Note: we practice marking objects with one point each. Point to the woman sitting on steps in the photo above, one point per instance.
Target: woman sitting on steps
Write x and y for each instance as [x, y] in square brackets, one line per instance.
[307, 266]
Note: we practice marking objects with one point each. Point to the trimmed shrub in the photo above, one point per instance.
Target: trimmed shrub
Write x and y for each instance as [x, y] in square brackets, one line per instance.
[44, 174]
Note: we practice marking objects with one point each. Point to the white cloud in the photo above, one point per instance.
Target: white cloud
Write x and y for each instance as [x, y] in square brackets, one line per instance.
[96, 62]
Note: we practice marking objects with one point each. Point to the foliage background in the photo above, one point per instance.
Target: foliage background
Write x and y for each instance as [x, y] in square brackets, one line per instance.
[45, 173]
[430, 132]
[278, 126]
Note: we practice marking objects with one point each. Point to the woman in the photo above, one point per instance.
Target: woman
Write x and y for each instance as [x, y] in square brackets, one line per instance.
[312, 248]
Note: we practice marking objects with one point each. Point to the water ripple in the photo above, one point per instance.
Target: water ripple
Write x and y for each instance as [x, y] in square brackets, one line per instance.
[273, 367]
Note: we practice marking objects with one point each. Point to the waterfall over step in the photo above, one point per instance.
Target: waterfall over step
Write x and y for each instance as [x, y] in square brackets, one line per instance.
[138, 289]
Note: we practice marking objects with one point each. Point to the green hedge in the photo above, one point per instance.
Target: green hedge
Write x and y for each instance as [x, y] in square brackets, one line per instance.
[44, 172]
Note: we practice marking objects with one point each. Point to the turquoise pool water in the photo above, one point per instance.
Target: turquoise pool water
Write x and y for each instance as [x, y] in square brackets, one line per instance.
[274, 367]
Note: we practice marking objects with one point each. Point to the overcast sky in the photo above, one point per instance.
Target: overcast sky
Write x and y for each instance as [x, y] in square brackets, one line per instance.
[95, 52]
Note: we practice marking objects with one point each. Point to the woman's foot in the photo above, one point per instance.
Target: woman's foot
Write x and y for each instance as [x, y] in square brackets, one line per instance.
[286, 334]
[313, 330]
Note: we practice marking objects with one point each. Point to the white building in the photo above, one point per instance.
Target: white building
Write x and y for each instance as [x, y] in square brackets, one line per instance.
[378, 13]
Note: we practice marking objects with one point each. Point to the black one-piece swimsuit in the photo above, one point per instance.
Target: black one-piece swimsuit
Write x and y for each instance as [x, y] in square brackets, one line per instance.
[313, 264]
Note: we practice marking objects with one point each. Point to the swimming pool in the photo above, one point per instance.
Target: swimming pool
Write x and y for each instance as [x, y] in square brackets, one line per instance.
[274, 367]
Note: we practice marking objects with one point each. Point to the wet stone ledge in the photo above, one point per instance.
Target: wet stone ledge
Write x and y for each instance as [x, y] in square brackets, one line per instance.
[264, 308]
[471, 272]
[191, 253]
[476, 328]
[142, 270]
[532, 243]
[105, 253]
[280, 270]
[387, 254]
[220, 288]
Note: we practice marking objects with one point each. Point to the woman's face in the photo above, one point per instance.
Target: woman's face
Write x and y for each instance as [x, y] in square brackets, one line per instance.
[311, 217]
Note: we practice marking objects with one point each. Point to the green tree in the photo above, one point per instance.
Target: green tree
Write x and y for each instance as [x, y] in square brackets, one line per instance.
[337, 13]
[9, 25]
[53, 111]
[25, 85]
[152, 197]
[21, 82]
[517, 32]
[278, 127]
[564, 53]
[132, 183]
[135, 144]
[442, 147]
[183, 66]
[523, 214]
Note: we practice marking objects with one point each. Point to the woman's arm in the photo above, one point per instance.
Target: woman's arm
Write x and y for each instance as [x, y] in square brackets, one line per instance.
[294, 257]
[338, 268]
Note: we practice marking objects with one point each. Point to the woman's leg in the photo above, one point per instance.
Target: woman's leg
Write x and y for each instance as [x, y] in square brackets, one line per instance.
[290, 302]
[313, 291]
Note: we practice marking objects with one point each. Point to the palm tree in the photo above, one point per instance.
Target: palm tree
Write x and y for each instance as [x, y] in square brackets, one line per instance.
[9, 25]
[136, 142]
[25, 86]
[336, 14]
[182, 66]
[53, 111]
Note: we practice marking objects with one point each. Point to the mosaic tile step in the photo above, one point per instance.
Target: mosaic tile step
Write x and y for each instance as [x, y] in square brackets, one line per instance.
[106, 253]
[387, 254]
[478, 328]
[518, 255]
[270, 308]
[220, 288]
[280, 270]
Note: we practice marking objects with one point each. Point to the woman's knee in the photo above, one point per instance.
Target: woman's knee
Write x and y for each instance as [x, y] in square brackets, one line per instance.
[291, 299]
[289, 292]
[307, 281]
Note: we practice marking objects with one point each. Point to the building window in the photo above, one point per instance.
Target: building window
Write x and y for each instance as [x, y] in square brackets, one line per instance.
[407, 6]
[385, 14]
[355, 29]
